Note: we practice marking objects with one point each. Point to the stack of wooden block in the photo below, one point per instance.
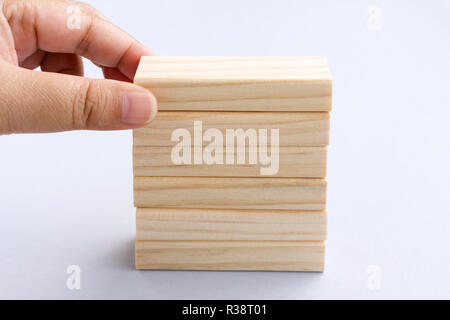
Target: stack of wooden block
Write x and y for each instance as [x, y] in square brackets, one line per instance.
[231, 173]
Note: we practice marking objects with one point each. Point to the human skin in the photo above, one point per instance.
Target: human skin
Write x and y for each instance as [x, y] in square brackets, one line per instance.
[37, 33]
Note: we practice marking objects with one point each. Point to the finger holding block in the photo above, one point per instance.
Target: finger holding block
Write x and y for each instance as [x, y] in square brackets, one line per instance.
[237, 83]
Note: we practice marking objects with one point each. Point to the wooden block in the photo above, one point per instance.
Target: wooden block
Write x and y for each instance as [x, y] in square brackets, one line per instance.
[214, 224]
[231, 255]
[238, 83]
[294, 162]
[298, 129]
[230, 193]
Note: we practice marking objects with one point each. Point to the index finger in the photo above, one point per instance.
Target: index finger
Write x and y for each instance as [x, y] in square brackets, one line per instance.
[73, 27]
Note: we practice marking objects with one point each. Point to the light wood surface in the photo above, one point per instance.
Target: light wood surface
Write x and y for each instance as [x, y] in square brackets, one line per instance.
[231, 255]
[215, 224]
[200, 207]
[295, 128]
[301, 162]
[238, 83]
[230, 193]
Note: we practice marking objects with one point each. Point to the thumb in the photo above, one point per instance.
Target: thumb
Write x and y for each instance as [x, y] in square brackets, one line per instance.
[33, 101]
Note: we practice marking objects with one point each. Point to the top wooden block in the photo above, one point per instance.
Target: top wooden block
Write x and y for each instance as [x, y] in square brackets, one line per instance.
[237, 83]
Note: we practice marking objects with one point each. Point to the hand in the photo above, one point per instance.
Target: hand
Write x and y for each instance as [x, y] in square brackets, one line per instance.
[37, 33]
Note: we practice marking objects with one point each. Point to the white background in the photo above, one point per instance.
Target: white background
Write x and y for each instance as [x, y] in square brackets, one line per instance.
[66, 199]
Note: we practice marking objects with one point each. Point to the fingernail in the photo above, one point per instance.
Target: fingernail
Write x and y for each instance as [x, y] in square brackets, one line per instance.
[138, 108]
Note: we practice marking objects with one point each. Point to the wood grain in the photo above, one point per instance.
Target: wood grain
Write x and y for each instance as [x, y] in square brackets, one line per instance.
[230, 193]
[231, 255]
[238, 83]
[214, 224]
[298, 129]
[301, 162]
